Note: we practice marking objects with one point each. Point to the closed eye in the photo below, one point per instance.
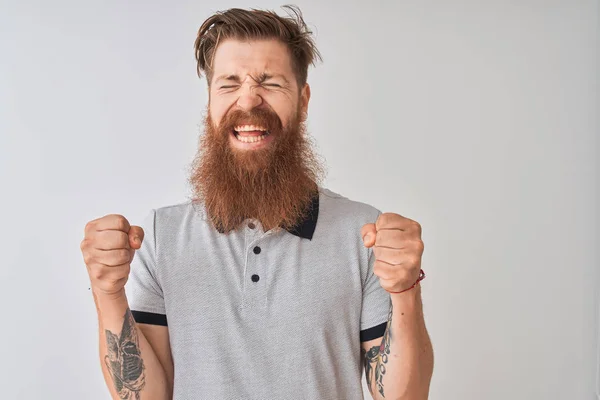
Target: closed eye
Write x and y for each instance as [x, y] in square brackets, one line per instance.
[272, 84]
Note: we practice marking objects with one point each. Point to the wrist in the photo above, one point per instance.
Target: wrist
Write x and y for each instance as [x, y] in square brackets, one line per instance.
[111, 307]
[102, 297]
[414, 285]
[407, 295]
[408, 303]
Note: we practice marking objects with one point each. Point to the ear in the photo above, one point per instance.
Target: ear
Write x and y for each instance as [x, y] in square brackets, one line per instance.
[304, 99]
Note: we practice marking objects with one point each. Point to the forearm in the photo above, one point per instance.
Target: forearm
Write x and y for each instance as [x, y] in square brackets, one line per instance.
[405, 364]
[129, 365]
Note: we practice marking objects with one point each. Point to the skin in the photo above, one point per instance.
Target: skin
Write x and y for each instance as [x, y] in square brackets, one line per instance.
[248, 75]
[131, 368]
[400, 365]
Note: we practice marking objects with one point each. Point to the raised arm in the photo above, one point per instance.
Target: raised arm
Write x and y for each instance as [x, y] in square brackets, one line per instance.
[131, 367]
[400, 364]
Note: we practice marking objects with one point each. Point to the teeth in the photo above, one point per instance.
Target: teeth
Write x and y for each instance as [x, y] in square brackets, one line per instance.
[247, 128]
[251, 139]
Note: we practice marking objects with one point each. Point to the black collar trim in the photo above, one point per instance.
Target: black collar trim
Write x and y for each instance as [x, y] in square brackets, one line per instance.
[305, 228]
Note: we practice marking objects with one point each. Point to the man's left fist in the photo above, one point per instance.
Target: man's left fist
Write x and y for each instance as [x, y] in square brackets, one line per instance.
[398, 250]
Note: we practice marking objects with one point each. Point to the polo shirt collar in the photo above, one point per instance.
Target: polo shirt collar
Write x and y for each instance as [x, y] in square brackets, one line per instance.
[306, 227]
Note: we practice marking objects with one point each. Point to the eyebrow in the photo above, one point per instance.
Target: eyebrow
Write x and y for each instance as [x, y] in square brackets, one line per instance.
[260, 79]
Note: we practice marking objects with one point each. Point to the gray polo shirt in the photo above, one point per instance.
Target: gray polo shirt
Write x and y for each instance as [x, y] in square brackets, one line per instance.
[260, 315]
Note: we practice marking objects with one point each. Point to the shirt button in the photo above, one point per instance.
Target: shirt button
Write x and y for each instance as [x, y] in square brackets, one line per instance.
[257, 250]
[255, 278]
[251, 225]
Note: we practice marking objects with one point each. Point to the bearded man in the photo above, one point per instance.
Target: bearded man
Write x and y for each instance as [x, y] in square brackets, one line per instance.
[265, 284]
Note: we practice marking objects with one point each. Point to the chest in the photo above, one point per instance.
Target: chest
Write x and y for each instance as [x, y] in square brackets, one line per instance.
[239, 281]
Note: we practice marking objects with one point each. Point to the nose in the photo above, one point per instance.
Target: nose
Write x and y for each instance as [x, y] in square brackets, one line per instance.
[249, 98]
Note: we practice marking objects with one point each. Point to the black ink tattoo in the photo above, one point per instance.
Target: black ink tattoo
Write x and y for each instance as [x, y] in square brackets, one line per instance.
[370, 358]
[384, 352]
[376, 358]
[124, 361]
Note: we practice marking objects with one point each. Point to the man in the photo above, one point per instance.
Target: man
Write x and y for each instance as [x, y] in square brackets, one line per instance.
[264, 285]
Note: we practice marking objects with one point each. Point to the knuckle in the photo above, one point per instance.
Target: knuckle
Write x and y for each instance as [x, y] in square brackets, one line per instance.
[416, 260]
[113, 281]
[87, 258]
[121, 281]
[97, 273]
[416, 226]
[120, 276]
[420, 246]
[123, 255]
[89, 226]
[409, 262]
[121, 222]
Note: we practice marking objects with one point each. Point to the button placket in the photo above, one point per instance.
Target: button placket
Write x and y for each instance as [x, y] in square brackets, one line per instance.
[256, 269]
[250, 232]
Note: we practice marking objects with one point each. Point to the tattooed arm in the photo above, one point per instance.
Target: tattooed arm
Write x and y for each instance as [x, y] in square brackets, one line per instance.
[131, 368]
[399, 366]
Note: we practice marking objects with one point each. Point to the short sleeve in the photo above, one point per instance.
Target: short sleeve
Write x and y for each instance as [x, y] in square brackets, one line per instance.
[143, 290]
[375, 305]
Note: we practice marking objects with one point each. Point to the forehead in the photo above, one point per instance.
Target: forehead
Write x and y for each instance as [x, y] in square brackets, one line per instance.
[257, 56]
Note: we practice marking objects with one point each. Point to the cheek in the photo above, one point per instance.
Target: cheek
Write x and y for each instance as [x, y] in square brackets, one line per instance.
[285, 114]
[216, 113]
[216, 119]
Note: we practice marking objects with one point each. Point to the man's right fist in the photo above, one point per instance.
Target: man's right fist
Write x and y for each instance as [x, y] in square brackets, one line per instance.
[108, 248]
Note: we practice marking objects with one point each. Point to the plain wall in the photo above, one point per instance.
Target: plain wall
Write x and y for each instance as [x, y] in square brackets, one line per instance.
[479, 119]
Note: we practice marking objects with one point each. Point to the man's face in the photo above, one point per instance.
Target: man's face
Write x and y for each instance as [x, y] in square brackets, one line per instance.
[255, 160]
[249, 77]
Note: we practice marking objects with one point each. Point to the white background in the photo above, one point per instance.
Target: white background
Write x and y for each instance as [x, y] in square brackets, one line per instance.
[479, 119]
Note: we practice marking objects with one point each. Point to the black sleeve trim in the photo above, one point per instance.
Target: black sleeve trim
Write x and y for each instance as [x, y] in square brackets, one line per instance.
[373, 333]
[142, 317]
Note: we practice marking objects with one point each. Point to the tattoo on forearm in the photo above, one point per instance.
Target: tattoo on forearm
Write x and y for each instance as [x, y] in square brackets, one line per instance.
[124, 360]
[370, 358]
[376, 358]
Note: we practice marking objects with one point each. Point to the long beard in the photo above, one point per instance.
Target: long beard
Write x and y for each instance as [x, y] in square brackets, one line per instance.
[274, 185]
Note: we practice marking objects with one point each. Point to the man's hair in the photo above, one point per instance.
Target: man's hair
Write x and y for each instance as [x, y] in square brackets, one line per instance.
[253, 24]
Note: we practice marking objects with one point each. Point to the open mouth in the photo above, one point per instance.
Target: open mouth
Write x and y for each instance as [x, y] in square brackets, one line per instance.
[250, 133]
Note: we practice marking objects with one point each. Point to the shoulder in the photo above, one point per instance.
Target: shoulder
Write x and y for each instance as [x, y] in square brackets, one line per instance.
[180, 210]
[176, 216]
[340, 221]
[334, 206]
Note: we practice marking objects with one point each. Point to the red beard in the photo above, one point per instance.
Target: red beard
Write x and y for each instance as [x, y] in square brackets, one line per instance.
[274, 184]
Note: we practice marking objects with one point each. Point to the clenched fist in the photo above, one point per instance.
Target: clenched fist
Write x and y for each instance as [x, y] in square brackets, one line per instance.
[398, 249]
[108, 249]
